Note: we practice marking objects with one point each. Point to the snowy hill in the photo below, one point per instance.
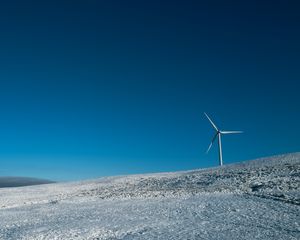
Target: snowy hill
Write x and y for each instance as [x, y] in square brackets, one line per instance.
[251, 200]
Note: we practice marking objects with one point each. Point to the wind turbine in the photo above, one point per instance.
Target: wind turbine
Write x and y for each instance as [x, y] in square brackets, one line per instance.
[218, 134]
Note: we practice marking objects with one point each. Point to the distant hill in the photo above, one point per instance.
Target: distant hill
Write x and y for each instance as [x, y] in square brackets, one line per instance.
[21, 181]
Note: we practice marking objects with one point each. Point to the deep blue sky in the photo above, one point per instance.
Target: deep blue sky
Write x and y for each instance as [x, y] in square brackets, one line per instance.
[97, 88]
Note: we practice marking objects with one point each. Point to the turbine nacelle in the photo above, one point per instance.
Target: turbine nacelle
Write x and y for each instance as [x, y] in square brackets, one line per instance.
[218, 134]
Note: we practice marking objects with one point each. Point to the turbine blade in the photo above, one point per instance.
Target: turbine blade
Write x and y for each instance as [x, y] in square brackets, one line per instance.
[212, 141]
[212, 123]
[231, 132]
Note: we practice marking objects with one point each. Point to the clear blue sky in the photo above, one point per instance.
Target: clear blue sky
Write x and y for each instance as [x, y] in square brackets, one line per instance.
[97, 88]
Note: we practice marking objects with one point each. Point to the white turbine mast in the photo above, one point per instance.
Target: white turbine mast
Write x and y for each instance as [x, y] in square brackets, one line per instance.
[218, 134]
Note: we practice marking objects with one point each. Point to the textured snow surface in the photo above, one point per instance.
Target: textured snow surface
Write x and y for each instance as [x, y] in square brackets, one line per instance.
[252, 200]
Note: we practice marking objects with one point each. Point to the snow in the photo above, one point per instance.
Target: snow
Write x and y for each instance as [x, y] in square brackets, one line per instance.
[251, 200]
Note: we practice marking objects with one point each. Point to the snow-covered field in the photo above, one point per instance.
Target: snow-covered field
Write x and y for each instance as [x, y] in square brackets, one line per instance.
[252, 200]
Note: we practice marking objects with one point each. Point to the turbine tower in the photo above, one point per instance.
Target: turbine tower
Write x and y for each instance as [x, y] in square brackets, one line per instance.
[218, 134]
